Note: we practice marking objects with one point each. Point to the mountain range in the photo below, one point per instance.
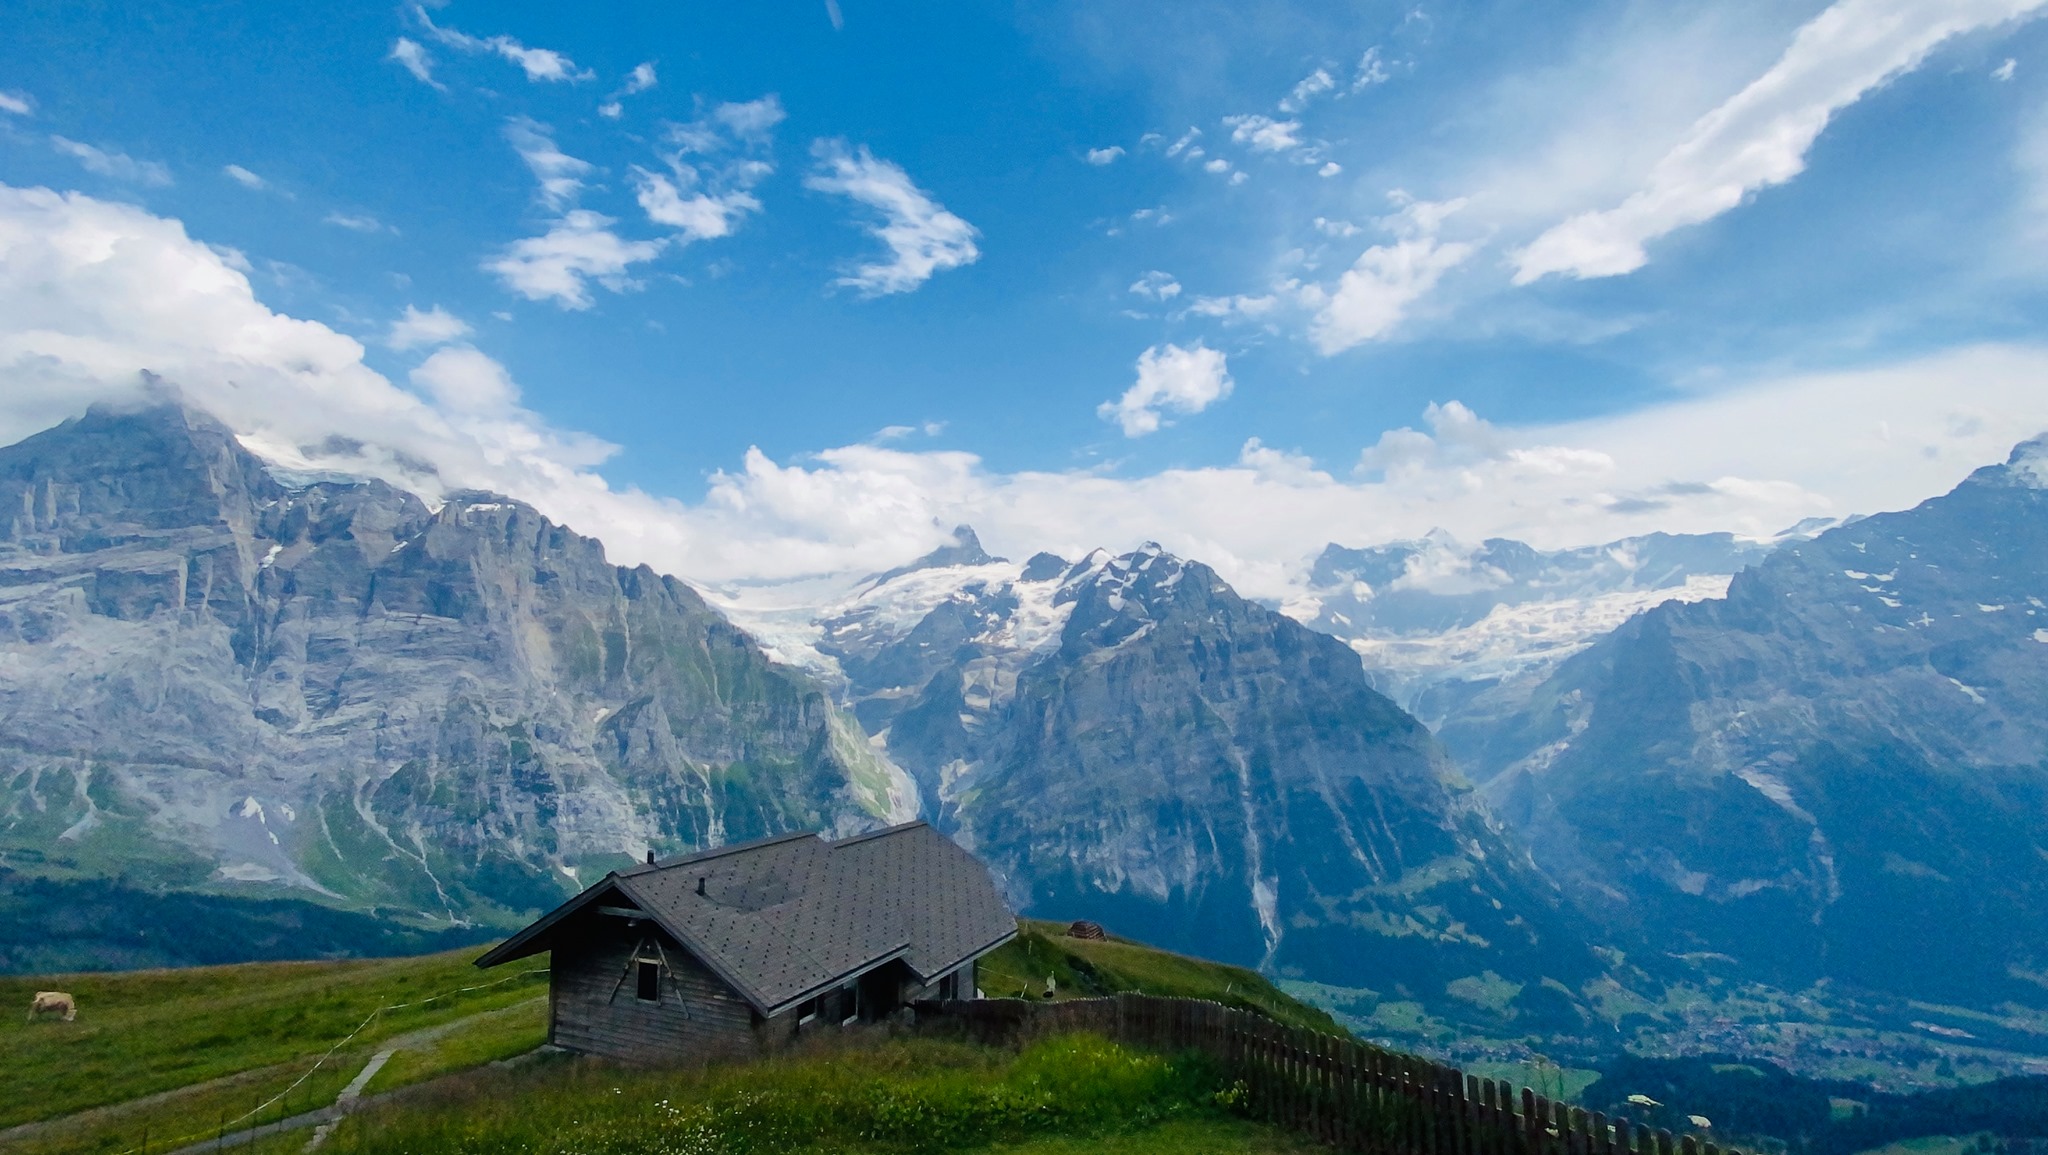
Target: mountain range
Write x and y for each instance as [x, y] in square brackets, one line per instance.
[1582, 796]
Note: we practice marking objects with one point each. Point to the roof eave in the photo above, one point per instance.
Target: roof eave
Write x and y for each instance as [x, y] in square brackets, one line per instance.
[691, 943]
[880, 960]
[522, 944]
[976, 953]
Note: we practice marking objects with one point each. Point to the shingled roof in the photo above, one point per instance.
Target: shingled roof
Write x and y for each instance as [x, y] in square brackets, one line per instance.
[783, 918]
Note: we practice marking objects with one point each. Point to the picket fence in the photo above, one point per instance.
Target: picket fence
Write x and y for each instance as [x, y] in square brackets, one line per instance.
[1349, 1095]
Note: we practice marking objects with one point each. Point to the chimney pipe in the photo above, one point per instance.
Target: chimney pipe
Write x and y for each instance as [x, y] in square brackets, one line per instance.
[700, 886]
[650, 856]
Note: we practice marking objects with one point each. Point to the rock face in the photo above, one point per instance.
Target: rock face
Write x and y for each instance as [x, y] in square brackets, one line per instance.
[1126, 739]
[1840, 770]
[210, 675]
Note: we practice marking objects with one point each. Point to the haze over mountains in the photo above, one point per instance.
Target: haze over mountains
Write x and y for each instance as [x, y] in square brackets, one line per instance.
[218, 677]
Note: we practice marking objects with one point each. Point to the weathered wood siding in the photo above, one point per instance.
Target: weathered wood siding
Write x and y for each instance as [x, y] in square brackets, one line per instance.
[697, 1017]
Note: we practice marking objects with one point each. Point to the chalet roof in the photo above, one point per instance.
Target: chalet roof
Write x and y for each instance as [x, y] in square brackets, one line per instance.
[782, 918]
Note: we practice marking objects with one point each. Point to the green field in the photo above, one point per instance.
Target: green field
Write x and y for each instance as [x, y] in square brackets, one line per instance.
[178, 1052]
[1082, 968]
[175, 1055]
[863, 1093]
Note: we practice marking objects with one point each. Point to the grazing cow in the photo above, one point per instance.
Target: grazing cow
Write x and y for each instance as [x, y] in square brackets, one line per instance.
[55, 1002]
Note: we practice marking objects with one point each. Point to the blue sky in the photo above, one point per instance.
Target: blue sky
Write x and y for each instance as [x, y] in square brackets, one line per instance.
[1205, 265]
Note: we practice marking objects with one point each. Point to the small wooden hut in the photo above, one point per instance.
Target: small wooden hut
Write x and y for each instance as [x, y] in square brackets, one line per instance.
[730, 949]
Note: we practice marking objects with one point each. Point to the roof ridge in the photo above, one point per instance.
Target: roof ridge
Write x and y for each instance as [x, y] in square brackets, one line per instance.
[695, 857]
[871, 835]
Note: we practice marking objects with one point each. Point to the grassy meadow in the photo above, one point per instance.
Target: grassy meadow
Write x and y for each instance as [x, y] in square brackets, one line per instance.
[175, 1052]
[854, 1095]
[1084, 968]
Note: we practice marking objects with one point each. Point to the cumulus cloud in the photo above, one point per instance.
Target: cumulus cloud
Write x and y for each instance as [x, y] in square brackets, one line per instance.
[922, 237]
[640, 79]
[245, 178]
[17, 103]
[713, 164]
[1264, 134]
[1312, 85]
[1157, 285]
[1375, 294]
[110, 163]
[1171, 379]
[1759, 137]
[436, 326]
[1102, 156]
[93, 292]
[577, 249]
[2005, 70]
[414, 58]
[539, 64]
[1330, 168]
[1371, 70]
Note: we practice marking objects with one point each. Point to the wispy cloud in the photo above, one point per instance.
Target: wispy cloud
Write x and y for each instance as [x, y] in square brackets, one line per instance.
[245, 178]
[639, 80]
[713, 163]
[1371, 70]
[577, 249]
[1374, 295]
[1759, 137]
[1157, 285]
[414, 329]
[1311, 86]
[110, 163]
[539, 64]
[357, 222]
[414, 58]
[560, 175]
[1102, 156]
[1171, 379]
[923, 238]
[18, 103]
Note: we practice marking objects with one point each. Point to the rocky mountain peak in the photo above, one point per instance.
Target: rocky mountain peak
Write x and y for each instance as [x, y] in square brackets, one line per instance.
[963, 550]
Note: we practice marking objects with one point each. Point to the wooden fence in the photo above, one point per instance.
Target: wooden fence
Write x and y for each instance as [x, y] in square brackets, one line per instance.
[1349, 1095]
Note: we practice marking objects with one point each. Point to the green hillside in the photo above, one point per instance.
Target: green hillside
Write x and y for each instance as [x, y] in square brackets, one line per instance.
[177, 1053]
[1085, 968]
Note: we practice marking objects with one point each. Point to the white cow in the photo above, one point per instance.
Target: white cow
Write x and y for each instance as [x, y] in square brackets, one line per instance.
[53, 1002]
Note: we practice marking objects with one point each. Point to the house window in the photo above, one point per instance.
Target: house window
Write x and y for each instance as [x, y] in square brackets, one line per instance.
[650, 982]
[806, 1011]
[949, 987]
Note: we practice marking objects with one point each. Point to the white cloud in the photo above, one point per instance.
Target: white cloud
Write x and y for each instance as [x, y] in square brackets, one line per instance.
[539, 64]
[1264, 134]
[611, 110]
[1759, 137]
[245, 178]
[1157, 285]
[357, 222]
[17, 103]
[94, 292]
[1315, 83]
[559, 174]
[1375, 294]
[1218, 165]
[436, 326]
[415, 59]
[2005, 71]
[922, 237]
[714, 163]
[1242, 305]
[464, 381]
[1102, 156]
[1171, 379]
[579, 248]
[1187, 141]
[1371, 70]
[109, 163]
[1335, 228]
[1330, 168]
[640, 79]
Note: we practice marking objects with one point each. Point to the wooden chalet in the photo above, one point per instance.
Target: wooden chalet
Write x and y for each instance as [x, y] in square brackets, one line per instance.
[729, 949]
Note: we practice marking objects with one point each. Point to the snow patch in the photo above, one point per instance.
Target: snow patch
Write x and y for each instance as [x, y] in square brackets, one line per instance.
[248, 872]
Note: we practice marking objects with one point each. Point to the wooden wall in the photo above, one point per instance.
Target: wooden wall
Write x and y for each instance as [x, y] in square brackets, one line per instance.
[597, 1013]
